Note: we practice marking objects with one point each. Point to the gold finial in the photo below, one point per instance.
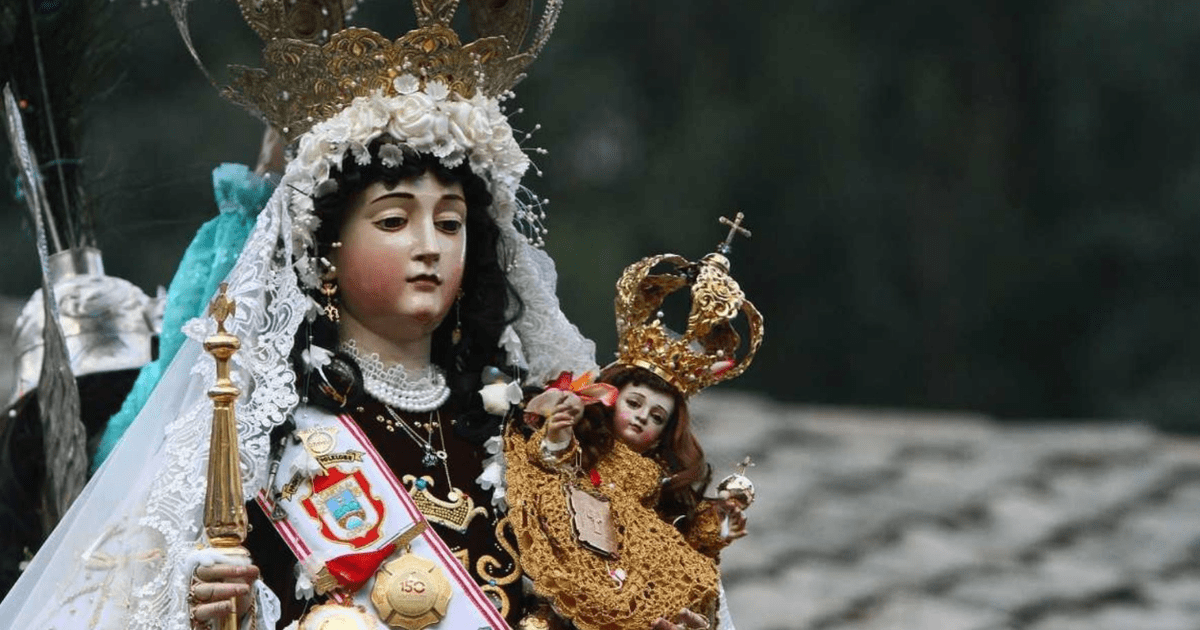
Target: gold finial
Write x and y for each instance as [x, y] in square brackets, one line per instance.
[735, 228]
[222, 308]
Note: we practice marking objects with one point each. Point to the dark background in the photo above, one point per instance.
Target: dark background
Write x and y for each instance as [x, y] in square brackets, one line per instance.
[988, 205]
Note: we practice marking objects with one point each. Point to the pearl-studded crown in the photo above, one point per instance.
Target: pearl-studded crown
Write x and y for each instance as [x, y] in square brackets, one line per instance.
[706, 353]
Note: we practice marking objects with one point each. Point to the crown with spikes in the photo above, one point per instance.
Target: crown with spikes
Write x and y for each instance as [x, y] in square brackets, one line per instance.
[315, 66]
[705, 354]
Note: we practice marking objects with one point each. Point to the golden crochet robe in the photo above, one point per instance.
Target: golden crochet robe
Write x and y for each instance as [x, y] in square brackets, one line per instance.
[662, 572]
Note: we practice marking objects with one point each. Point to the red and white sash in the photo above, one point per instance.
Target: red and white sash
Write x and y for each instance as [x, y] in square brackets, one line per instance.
[340, 523]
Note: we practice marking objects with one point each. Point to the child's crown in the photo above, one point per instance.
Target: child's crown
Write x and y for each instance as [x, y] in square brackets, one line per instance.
[706, 353]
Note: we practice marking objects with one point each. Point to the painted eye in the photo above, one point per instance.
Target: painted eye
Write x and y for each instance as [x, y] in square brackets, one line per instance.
[450, 226]
[392, 223]
[658, 419]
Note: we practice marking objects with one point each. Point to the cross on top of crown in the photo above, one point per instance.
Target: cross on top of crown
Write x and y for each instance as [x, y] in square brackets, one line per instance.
[735, 228]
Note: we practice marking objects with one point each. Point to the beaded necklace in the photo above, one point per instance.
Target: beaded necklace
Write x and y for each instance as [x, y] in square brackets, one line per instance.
[392, 385]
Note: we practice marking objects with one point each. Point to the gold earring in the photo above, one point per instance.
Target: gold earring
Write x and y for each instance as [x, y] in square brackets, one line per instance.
[329, 289]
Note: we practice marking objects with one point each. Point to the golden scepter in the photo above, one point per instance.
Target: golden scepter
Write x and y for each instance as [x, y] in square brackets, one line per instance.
[224, 508]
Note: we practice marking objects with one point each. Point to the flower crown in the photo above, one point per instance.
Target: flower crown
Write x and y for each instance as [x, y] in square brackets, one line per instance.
[426, 92]
[705, 353]
[434, 121]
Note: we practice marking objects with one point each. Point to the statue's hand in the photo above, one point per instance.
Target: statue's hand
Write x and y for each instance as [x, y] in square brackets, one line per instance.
[560, 425]
[732, 509]
[215, 586]
[543, 404]
[685, 620]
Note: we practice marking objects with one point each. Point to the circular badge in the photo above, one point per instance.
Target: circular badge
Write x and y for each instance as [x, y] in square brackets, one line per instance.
[319, 441]
[411, 592]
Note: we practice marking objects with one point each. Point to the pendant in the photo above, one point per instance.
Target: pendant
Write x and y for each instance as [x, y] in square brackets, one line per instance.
[591, 519]
[456, 511]
[429, 460]
[411, 592]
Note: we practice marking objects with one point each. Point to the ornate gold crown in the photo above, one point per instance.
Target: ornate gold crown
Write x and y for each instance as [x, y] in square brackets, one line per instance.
[315, 66]
[705, 353]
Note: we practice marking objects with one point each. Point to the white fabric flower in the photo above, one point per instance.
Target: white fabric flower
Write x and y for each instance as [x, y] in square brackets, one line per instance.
[306, 466]
[406, 84]
[437, 89]
[304, 585]
[492, 477]
[497, 397]
[390, 155]
[362, 156]
[316, 357]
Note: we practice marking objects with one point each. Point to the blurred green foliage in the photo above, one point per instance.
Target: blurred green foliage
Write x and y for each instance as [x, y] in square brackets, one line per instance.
[985, 205]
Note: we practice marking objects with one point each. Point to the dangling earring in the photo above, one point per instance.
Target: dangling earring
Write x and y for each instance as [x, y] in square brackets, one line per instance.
[456, 334]
[329, 289]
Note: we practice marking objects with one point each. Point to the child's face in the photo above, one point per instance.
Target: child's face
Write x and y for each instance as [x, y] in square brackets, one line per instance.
[640, 416]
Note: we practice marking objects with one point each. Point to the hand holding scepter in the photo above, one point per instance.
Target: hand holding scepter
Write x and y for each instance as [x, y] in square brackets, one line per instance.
[738, 492]
[224, 507]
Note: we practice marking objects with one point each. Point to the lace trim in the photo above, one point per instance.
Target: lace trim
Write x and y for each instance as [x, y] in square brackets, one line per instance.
[392, 386]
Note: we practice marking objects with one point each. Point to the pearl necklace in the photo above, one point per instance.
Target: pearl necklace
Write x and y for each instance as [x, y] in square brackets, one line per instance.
[392, 385]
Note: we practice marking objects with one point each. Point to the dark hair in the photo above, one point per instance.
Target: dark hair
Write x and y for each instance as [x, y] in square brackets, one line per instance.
[678, 450]
[488, 301]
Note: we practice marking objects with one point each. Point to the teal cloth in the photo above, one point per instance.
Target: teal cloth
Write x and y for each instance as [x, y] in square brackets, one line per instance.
[240, 196]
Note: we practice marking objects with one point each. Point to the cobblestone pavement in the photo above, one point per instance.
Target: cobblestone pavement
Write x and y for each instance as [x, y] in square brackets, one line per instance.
[872, 520]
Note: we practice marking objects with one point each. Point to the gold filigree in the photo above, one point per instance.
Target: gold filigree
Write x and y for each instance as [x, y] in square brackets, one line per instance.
[314, 67]
[706, 353]
[659, 571]
[456, 512]
[305, 20]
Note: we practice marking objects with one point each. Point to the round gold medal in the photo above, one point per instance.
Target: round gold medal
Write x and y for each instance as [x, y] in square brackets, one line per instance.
[411, 592]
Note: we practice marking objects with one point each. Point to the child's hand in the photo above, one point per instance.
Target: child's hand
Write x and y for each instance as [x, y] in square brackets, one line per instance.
[731, 509]
[560, 425]
[542, 406]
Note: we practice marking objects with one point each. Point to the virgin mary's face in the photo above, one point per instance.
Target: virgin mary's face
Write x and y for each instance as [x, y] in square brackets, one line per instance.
[401, 261]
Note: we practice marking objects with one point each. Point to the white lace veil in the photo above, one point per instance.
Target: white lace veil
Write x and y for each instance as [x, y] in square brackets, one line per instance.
[119, 558]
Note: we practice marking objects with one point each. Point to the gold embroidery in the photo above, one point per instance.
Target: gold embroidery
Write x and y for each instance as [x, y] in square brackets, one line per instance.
[493, 581]
[456, 512]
